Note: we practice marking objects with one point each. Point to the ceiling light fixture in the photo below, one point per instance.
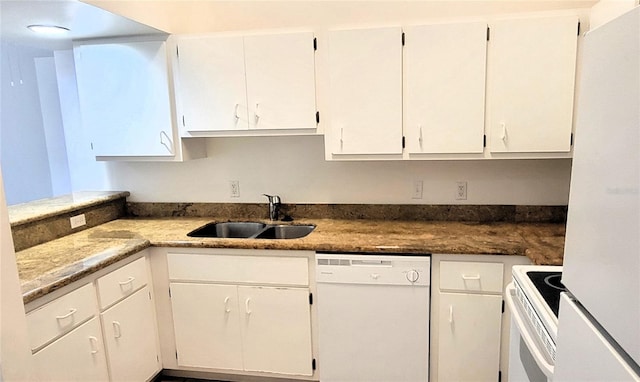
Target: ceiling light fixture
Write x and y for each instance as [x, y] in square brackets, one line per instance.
[48, 29]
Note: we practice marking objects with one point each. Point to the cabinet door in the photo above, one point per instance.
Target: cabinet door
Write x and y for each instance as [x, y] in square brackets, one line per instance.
[77, 356]
[366, 91]
[207, 326]
[444, 72]
[211, 83]
[130, 338]
[469, 337]
[276, 329]
[280, 72]
[124, 98]
[530, 84]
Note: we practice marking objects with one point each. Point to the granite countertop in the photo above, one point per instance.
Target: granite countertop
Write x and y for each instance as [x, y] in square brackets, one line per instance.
[44, 208]
[52, 265]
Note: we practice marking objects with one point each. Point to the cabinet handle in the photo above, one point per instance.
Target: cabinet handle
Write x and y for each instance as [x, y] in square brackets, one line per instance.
[163, 143]
[465, 277]
[226, 305]
[257, 113]
[420, 137]
[93, 343]
[71, 312]
[504, 131]
[117, 333]
[246, 305]
[129, 281]
[450, 314]
[235, 112]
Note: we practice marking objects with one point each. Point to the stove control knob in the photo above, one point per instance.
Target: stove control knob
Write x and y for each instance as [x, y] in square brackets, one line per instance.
[413, 275]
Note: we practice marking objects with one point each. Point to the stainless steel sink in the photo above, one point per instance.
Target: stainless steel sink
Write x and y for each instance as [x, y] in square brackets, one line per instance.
[252, 230]
[228, 230]
[285, 231]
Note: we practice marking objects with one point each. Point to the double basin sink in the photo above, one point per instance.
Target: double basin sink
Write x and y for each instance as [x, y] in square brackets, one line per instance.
[252, 230]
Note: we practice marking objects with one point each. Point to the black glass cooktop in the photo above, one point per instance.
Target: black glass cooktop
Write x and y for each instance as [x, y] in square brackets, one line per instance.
[549, 286]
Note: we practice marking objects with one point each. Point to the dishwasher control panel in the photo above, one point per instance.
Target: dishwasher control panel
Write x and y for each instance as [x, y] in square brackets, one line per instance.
[373, 269]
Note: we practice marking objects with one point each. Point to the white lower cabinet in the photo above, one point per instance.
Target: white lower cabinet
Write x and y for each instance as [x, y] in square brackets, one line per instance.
[130, 338]
[207, 325]
[469, 327]
[469, 337]
[241, 320]
[74, 338]
[77, 356]
[263, 329]
[276, 331]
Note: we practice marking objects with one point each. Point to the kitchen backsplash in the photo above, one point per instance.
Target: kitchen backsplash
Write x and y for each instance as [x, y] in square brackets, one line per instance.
[470, 213]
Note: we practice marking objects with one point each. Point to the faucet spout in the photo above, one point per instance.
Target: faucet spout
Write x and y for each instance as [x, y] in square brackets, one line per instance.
[274, 206]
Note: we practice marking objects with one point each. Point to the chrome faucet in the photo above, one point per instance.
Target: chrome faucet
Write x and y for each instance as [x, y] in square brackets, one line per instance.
[274, 206]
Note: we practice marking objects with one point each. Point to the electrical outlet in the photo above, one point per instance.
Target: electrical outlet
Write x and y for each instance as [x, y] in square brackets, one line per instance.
[417, 190]
[461, 190]
[77, 221]
[234, 188]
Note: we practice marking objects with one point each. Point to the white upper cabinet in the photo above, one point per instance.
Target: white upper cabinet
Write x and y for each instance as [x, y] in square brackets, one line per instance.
[365, 68]
[124, 98]
[281, 81]
[211, 84]
[444, 87]
[530, 84]
[240, 83]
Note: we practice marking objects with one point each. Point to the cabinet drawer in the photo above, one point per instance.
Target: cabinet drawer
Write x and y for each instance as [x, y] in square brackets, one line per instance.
[122, 282]
[239, 269]
[61, 315]
[471, 277]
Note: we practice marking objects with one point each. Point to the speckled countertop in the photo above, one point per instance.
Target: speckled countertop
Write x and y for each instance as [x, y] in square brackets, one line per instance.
[49, 266]
[44, 208]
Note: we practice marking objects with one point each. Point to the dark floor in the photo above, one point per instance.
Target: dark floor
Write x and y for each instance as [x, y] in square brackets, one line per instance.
[166, 378]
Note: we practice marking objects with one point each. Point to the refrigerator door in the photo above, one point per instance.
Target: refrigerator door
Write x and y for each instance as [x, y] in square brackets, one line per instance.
[584, 352]
[602, 249]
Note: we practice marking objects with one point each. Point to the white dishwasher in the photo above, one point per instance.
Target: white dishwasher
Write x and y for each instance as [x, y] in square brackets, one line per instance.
[373, 317]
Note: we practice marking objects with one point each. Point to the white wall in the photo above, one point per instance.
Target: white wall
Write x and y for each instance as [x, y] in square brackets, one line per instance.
[52, 124]
[295, 169]
[15, 353]
[23, 149]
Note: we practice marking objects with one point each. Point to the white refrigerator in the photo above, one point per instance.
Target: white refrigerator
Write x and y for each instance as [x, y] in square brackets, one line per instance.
[599, 321]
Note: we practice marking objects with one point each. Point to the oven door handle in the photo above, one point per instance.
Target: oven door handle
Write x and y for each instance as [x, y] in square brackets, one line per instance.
[526, 334]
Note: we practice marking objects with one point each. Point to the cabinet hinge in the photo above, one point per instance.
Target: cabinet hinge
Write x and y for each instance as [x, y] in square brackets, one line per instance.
[578, 27]
[484, 140]
[499, 376]
[91, 145]
[169, 292]
[571, 139]
[177, 52]
[403, 40]
[317, 117]
[183, 121]
[403, 142]
[149, 295]
[157, 358]
[313, 364]
[310, 298]
[315, 43]
[502, 306]
[176, 354]
[488, 33]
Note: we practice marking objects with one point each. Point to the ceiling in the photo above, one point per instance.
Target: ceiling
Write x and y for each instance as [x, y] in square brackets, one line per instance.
[83, 20]
[203, 16]
[110, 18]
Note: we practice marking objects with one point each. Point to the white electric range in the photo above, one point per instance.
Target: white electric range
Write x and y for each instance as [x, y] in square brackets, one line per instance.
[533, 298]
